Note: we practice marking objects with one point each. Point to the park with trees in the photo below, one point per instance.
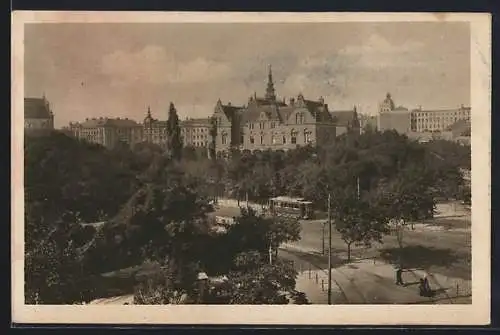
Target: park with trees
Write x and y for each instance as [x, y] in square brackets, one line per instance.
[90, 211]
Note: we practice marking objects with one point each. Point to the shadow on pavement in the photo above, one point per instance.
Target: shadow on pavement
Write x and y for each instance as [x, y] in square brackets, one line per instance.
[417, 256]
[318, 260]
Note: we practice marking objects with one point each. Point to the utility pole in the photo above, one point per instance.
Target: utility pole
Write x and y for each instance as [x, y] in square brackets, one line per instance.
[357, 181]
[246, 198]
[323, 238]
[329, 251]
[270, 253]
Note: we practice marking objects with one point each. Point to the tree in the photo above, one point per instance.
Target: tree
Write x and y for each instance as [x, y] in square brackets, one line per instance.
[407, 198]
[213, 138]
[174, 133]
[465, 195]
[255, 282]
[53, 271]
[359, 221]
[159, 289]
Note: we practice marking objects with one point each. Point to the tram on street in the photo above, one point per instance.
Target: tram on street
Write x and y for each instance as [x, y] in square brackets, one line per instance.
[291, 207]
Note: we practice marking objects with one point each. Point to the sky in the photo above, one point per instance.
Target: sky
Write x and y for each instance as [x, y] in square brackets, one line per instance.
[119, 69]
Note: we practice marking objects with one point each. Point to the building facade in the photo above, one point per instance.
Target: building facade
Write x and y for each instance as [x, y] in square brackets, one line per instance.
[196, 132]
[418, 120]
[154, 131]
[269, 123]
[37, 114]
[438, 120]
[108, 132]
[391, 117]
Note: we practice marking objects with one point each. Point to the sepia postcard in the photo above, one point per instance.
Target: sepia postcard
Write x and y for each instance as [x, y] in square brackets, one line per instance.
[251, 168]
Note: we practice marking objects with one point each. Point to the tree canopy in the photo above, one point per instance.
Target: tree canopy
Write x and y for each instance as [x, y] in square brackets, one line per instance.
[174, 133]
[157, 208]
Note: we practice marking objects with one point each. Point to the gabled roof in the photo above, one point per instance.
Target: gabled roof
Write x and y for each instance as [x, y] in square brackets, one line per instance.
[280, 111]
[36, 108]
[228, 110]
[343, 117]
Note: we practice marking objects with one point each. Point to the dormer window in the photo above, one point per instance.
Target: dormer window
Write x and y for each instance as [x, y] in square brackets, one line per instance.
[299, 118]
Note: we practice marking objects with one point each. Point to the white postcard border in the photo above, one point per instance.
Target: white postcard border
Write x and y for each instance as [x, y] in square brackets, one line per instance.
[476, 313]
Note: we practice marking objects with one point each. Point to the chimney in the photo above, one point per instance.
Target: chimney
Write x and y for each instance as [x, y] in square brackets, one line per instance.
[321, 100]
[292, 101]
[229, 103]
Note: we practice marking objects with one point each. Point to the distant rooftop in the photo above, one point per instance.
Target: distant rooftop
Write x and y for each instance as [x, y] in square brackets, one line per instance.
[107, 122]
[196, 122]
[36, 108]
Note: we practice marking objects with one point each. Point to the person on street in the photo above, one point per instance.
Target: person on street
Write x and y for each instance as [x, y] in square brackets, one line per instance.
[399, 276]
[421, 288]
[427, 287]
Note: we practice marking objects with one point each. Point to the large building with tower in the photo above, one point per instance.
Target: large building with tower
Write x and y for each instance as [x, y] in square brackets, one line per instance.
[264, 123]
[269, 122]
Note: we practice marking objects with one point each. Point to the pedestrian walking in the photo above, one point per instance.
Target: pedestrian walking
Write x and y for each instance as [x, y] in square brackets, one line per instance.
[421, 288]
[427, 286]
[399, 276]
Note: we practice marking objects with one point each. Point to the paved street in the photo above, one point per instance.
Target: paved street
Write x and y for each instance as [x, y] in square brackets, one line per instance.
[447, 252]
[369, 282]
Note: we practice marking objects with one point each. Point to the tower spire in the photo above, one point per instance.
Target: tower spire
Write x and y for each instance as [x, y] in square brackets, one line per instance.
[270, 93]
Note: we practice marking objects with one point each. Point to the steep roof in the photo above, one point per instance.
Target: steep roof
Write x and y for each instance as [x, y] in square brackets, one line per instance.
[228, 110]
[343, 117]
[280, 111]
[36, 108]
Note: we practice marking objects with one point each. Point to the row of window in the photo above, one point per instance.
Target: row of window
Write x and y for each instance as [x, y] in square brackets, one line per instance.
[274, 138]
[441, 114]
[194, 130]
[262, 125]
[299, 119]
